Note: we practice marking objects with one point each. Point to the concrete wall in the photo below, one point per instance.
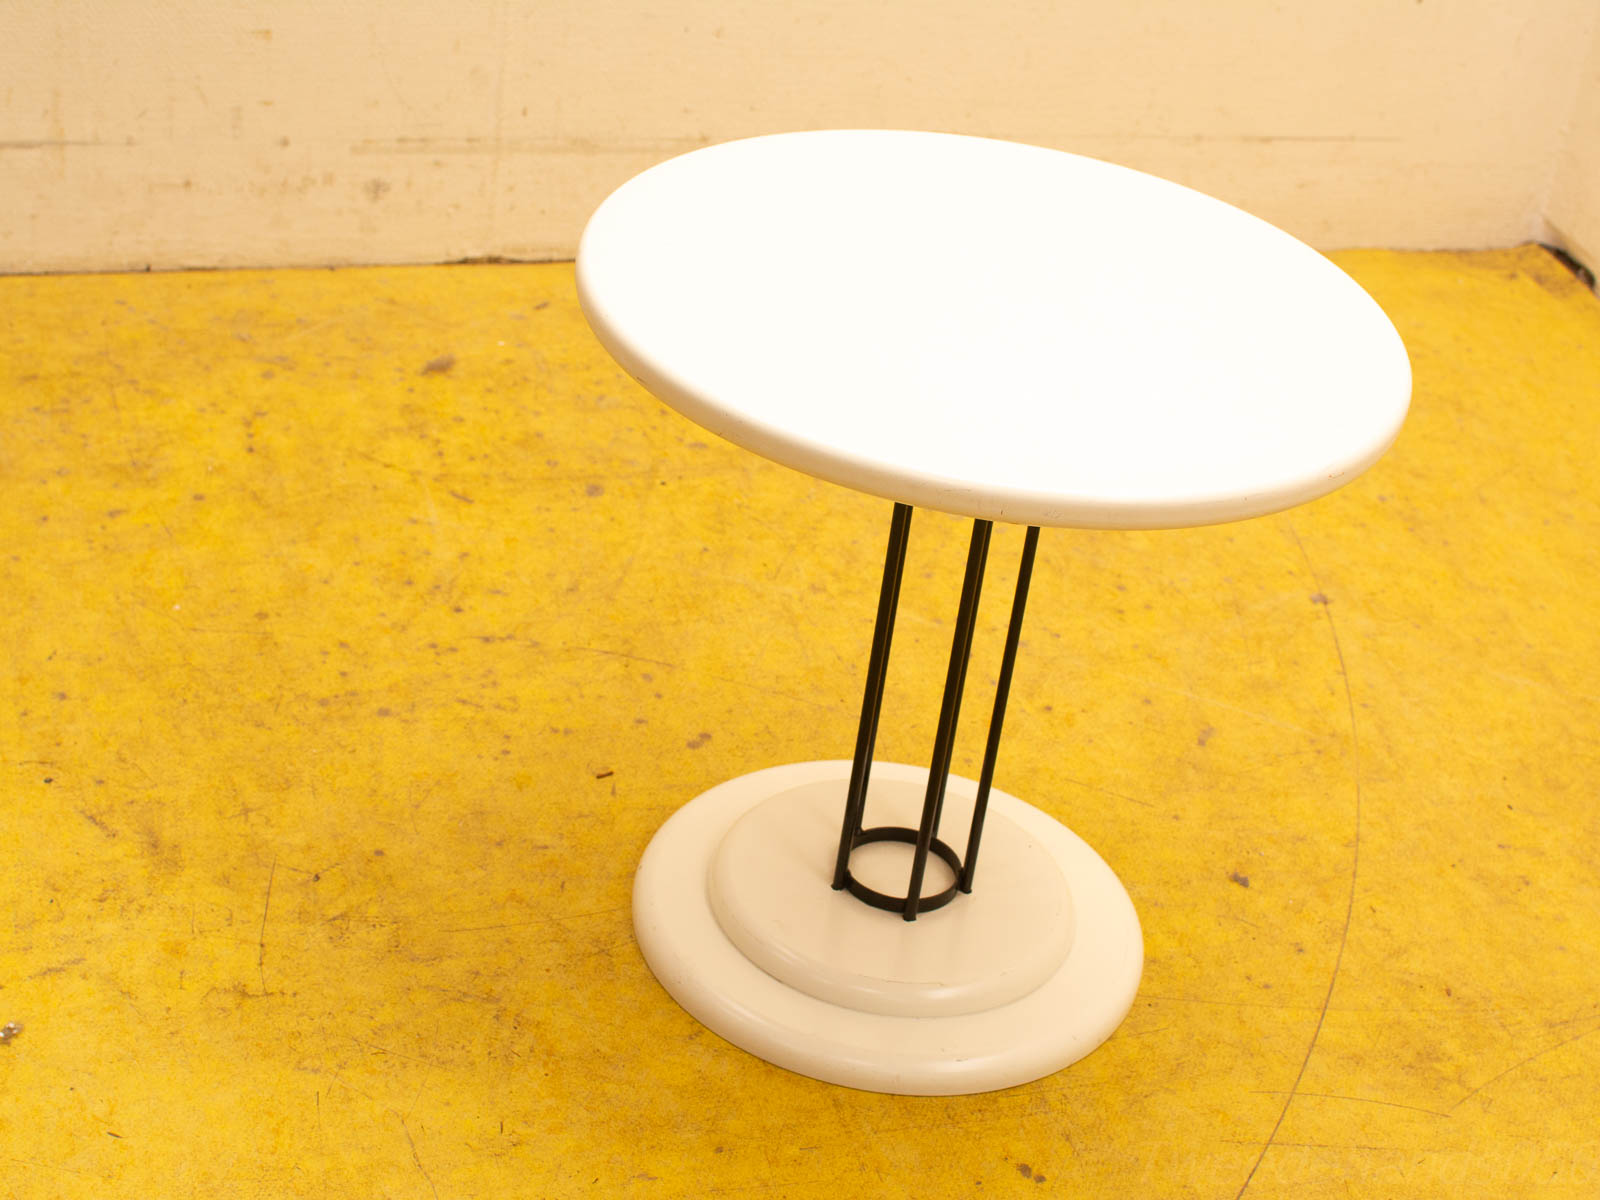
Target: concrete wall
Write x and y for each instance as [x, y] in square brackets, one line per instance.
[192, 133]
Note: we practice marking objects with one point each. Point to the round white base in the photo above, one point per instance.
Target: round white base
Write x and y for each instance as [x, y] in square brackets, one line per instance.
[734, 912]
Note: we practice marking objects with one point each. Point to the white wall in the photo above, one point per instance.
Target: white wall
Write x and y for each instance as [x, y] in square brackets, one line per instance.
[1573, 211]
[192, 132]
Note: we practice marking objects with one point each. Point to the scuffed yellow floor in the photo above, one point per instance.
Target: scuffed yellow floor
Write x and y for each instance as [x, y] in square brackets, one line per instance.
[359, 628]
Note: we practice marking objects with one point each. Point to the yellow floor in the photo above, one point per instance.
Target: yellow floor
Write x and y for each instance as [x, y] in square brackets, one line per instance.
[359, 628]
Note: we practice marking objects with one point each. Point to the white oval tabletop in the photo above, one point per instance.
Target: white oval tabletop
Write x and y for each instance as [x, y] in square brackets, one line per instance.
[993, 329]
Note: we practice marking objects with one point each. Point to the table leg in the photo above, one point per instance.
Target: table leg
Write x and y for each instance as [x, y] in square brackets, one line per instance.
[734, 911]
[924, 838]
[894, 565]
[991, 750]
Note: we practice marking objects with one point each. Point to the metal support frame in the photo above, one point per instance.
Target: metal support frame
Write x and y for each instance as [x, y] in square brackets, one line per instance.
[925, 838]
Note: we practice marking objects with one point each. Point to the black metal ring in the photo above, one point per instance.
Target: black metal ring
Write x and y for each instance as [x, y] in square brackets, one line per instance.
[897, 904]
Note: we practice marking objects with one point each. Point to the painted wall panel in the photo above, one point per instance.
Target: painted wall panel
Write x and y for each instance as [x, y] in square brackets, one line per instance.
[197, 134]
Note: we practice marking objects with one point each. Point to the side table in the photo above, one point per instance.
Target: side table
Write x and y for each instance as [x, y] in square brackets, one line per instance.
[1006, 333]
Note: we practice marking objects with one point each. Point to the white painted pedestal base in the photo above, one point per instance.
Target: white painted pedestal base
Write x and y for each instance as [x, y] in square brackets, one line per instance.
[734, 911]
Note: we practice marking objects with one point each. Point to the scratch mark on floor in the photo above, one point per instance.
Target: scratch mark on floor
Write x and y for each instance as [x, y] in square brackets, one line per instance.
[417, 1158]
[1107, 792]
[659, 662]
[372, 458]
[421, 1086]
[1321, 1145]
[373, 1046]
[1432, 1112]
[1587, 1016]
[599, 912]
[502, 925]
[1355, 864]
[261, 939]
[1522, 1063]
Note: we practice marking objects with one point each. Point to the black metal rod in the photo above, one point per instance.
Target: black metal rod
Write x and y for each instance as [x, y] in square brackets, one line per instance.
[894, 563]
[950, 710]
[1002, 690]
[897, 904]
[961, 684]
